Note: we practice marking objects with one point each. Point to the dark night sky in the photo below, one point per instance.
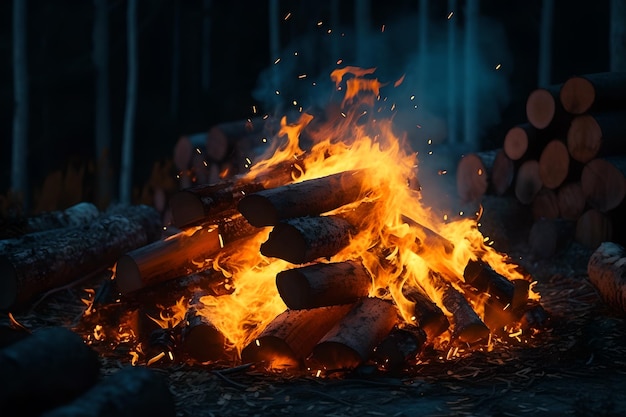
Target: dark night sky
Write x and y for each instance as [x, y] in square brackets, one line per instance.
[61, 74]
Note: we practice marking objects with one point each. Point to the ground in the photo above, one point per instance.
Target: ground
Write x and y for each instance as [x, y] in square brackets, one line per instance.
[574, 367]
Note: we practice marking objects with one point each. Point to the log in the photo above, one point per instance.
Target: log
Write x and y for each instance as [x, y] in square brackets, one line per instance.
[535, 317]
[554, 163]
[592, 228]
[46, 369]
[132, 391]
[594, 92]
[290, 337]
[204, 202]
[400, 348]
[467, 326]
[471, 177]
[43, 265]
[508, 293]
[523, 141]
[571, 200]
[597, 134]
[546, 237]
[544, 110]
[545, 205]
[179, 255]
[528, 181]
[427, 315]
[304, 239]
[352, 340]
[201, 341]
[428, 238]
[607, 272]
[307, 198]
[221, 139]
[502, 173]
[323, 284]
[603, 183]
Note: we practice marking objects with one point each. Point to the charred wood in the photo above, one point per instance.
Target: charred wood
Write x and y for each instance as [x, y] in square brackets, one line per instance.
[201, 340]
[400, 348]
[428, 316]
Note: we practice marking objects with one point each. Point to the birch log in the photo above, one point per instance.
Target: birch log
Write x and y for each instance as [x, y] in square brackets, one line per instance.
[607, 272]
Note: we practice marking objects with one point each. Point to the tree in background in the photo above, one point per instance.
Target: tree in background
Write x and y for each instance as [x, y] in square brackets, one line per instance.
[470, 76]
[128, 141]
[362, 19]
[453, 114]
[102, 131]
[545, 44]
[19, 156]
[618, 35]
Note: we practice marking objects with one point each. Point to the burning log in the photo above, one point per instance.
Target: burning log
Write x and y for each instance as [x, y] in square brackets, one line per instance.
[399, 348]
[554, 164]
[200, 339]
[38, 266]
[133, 391]
[597, 134]
[607, 272]
[467, 327]
[46, 369]
[222, 138]
[352, 340]
[306, 198]
[303, 239]
[323, 284]
[593, 92]
[428, 316]
[292, 335]
[201, 203]
[178, 255]
[430, 239]
[604, 183]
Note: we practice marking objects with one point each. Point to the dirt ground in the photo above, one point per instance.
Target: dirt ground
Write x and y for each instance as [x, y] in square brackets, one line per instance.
[575, 367]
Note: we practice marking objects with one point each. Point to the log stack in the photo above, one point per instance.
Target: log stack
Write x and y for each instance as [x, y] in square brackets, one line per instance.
[566, 162]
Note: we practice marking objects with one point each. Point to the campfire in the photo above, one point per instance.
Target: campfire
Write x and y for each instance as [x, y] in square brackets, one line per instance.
[318, 259]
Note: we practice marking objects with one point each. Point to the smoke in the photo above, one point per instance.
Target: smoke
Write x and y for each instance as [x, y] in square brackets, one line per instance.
[429, 99]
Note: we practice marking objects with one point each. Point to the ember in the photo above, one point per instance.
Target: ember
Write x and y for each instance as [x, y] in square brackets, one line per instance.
[327, 259]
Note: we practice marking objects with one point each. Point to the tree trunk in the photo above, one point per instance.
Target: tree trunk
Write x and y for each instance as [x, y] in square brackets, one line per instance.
[618, 36]
[471, 68]
[545, 43]
[19, 155]
[607, 272]
[306, 198]
[453, 94]
[132, 391]
[362, 22]
[46, 369]
[352, 340]
[128, 142]
[323, 284]
[303, 239]
[205, 66]
[291, 336]
[43, 265]
[175, 77]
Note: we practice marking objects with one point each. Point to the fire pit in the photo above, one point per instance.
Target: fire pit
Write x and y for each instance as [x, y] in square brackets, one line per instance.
[319, 282]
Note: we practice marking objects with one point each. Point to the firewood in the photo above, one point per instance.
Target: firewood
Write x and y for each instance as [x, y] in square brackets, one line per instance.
[554, 164]
[505, 220]
[201, 341]
[594, 92]
[323, 284]
[545, 204]
[132, 391]
[290, 337]
[304, 239]
[467, 326]
[75, 252]
[427, 315]
[528, 181]
[428, 239]
[523, 141]
[592, 228]
[207, 201]
[535, 317]
[544, 110]
[597, 134]
[603, 183]
[352, 340]
[546, 236]
[178, 255]
[571, 200]
[512, 293]
[223, 137]
[607, 272]
[502, 173]
[46, 369]
[399, 348]
[306, 198]
[471, 176]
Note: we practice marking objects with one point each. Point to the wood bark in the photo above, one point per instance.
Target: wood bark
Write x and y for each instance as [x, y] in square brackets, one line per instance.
[524, 141]
[594, 92]
[484, 278]
[202, 202]
[42, 265]
[546, 237]
[471, 177]
[132, 391]
[594, 135]
[502, 173]
[46, 369]
[554, 163]
[545, 205]
[528, 181]
[603, 183]
[467, 326]
[201, 341]
[400, 348]
[323, 284]
[352, 340]
[592, 228]
[304, 239]
[291, 336]
[428, 316]
[306, 198]
[571, 200]
[607, 272]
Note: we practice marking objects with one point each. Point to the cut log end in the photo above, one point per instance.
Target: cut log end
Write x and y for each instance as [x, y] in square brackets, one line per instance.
[471, 178]
[540, 108]
[584, 138]
[127, 267]
[554, 164]
[577, 95]
[189, 208]
[515, 143]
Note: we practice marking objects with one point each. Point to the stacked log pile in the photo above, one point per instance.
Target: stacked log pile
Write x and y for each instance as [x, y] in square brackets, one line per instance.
[566, 163]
